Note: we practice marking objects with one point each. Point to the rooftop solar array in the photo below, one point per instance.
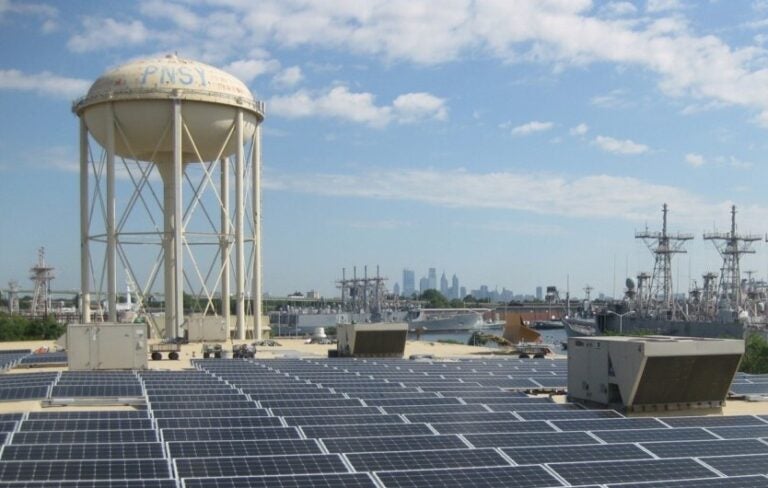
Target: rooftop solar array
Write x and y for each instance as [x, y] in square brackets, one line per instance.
[363, 423]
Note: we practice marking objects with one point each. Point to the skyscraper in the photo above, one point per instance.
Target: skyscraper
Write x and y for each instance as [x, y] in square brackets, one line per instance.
[409, 282]
[455, 287]
[423, 285]
[432, 279]
[444, 285]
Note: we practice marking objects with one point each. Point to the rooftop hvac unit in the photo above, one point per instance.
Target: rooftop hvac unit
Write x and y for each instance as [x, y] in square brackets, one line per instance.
[371, 340]
[652, 373]
[107, 346]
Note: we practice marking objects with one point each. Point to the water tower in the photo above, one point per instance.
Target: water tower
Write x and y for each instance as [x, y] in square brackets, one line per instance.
[160, 140]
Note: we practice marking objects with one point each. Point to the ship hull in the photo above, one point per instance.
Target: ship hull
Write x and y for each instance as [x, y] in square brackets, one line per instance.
[454, 323]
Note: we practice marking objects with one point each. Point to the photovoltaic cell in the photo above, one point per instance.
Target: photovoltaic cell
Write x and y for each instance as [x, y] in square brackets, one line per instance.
[53, 452]
[203, 422]
[230, 433]
[682, 434]
[85, 436]
[739, 465]
[365, 430]
[746, 432]
[530, 439]
[736, 482]
[144, 483]
[719, 421]
[343, 419]
[608, 424]
[85, 424]
[491, 427]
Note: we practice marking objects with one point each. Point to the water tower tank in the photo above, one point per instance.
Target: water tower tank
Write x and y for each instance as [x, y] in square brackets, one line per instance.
[141, 91]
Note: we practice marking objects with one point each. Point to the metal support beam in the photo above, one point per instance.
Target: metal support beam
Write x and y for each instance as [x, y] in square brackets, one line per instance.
[239, 227]
[256, 204]
[111, 235]
[85, 249]
[225, 245]
[177, 262]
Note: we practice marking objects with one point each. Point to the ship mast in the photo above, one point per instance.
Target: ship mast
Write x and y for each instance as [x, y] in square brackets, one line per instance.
[731, 247]
[663, 245]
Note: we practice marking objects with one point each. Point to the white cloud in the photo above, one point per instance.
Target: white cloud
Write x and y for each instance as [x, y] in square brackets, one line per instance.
[413, 107]
[531, 127]
[106, 33]
[248, 70]
[579, 130]
[695, 160]
[177, 14]
[343, 104]
[27, 8]
[591, 196]
[617, 146]
[613, 99]
[662, 5]
[288, 77]
[618, 9]
[44, 83]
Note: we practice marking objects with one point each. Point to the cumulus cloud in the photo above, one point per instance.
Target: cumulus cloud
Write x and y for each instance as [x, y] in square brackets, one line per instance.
[288, 77]
[248, 70]
[339, 102]
[591, 196]
[44, 83]
[579, 130]
[178, 14]
[695, 160]
[663, 5]
[617, 146]
[105, 33]
[531, 127]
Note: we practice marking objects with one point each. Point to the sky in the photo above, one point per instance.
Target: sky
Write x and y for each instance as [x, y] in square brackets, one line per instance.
[514, 143]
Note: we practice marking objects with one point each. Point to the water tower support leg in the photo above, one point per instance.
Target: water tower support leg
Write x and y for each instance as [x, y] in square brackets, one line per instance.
[239, 227]
[111, 236]
[256, 204]
[178, 250]
[85, 249]
[224, 240]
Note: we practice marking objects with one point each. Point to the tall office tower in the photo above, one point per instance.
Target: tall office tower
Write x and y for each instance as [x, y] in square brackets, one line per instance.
[396, 290]
[539, 293]
[423, 285]
[409, 282]
[432, 279]
[455, 287]
[444, 285]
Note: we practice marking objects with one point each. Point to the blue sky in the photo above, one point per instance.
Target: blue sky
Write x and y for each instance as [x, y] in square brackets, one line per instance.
[514, 143]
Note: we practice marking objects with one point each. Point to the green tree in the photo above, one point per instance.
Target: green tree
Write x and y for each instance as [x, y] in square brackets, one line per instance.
[456, 303]
[755, 359]
[434, 299]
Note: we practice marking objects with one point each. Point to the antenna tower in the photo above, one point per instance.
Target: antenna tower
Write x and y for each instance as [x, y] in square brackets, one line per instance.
[42, 275]
[731, 246]
[663, 245]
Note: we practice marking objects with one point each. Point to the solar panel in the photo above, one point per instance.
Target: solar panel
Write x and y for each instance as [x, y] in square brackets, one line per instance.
[202, 422]
[231, 433]
[400, 443]
[144, 483]
[343, 419]
[569, 414]
[23, 393]
[85, 436]
[604, 472]
[490, 427]
[325, 480]
[682, 434]
[706, 448]
[10, 417]
[526, 407]
[461, 417]
[8, 426]
[718, 421]
[321, 412]
[83, 470]
[181, 406]
[211, 412]
[137, 450]
[342, 402]
[92, 414]
[608, 424]
[512, 477]
[319, 431]
[746, 432]
[556, 454]
[739, 465]
[735, 482]
[530, 439]
[401, 460]
[85, 424]
[392, 402]
[238, 447]
[259, 465]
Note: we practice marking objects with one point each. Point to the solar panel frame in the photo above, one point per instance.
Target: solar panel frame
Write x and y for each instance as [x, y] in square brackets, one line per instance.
[408, 460]
[259, 465]
[483, 477]
[324, 480]
[606, 472]
[398, 443]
